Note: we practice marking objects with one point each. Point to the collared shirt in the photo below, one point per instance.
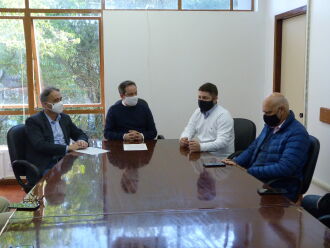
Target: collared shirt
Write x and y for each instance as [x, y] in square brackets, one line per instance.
[57, 130]
[207, 113]
[216, 133]
[277, 128]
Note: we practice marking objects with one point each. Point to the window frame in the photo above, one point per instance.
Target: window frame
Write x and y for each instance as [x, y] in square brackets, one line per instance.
[32, 67]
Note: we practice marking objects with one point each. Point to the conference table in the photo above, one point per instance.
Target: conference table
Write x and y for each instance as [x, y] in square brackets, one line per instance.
[161, 197]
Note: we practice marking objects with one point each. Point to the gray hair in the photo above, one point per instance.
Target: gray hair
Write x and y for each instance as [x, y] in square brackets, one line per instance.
[123, 85]
[46, 92]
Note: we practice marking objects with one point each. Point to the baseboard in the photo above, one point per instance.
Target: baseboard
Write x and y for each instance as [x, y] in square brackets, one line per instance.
[10, 181]
[321, 184]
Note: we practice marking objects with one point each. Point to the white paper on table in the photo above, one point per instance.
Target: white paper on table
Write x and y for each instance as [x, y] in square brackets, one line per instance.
[135, 147]
[92, 151]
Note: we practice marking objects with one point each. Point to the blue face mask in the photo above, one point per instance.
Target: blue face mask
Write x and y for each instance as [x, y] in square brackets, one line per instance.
[205, 105]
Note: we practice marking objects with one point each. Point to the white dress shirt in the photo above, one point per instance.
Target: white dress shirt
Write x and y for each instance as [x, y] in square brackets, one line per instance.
[215, 131]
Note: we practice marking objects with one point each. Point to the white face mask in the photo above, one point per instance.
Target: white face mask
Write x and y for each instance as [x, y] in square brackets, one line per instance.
[131, 100]
[57, 107]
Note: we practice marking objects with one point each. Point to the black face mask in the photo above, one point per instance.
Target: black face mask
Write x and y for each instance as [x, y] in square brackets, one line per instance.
[271, 120]
[205, 105]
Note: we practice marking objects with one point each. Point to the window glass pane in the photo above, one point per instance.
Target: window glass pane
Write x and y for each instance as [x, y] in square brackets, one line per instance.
[13, 82]
[12, 4]
[8, 121]
[205, 4]
[242, 4]
[65, 4]
[91, 124]
[67, 14]
[141, 4]
[69, 58]
[11, 14]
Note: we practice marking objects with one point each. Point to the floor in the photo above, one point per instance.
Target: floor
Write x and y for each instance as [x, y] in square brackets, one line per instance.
[315, 190]
[14, 193]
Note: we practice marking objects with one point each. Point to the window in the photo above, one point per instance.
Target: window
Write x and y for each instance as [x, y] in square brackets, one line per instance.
[206, 4]
[43, 47]
[142, 4]
[217, 4]
[242, 5]
[181, 4]
[12, 4]
[13, 82]
[71, 47]
[65, 4]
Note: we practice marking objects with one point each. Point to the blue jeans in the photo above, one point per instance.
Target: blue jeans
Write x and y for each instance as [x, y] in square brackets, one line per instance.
[310, 204]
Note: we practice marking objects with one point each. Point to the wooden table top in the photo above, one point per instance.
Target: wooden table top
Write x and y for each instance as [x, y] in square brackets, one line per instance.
[162, 197]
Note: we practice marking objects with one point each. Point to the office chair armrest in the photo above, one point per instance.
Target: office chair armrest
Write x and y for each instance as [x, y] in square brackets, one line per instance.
[325, 219]
[323, 204]
[17, 165]
[283, 179]
[160, 136]
[234, 154]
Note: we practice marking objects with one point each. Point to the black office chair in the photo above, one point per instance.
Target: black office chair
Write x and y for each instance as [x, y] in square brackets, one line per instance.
[160, 136]
[308, 170]
[245, 134]
[325, 219]
[16, 141]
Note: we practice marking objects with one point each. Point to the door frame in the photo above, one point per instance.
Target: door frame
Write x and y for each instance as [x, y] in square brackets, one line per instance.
[278, 43]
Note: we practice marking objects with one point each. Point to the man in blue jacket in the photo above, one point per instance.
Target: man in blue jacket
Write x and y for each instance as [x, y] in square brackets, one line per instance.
[281, 148]
[129, 119]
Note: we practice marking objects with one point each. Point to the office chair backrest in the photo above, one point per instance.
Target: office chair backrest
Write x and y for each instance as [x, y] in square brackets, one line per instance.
[16, 141]
[16, 144]
[245, 133]
[309, 167]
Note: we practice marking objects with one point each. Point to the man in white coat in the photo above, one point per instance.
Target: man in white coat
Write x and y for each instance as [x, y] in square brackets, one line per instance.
[211, 127]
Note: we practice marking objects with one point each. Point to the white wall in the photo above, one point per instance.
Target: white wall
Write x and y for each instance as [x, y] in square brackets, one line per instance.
[319, 85]
[169, 54]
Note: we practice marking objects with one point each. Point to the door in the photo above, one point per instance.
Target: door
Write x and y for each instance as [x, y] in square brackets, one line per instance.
[293, 75]
[290, 59]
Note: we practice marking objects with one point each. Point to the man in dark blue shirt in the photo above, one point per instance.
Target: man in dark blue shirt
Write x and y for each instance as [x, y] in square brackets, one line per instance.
[129, 119]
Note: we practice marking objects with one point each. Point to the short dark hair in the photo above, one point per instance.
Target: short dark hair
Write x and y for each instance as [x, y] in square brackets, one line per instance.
[123, 85]
[45, 93]
[210, 88]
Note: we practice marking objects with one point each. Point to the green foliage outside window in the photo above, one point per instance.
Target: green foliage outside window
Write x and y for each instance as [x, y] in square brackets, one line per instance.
[12, 4]
[69, 58]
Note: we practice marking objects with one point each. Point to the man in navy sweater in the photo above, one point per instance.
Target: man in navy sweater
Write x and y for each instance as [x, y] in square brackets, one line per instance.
[129, 119]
